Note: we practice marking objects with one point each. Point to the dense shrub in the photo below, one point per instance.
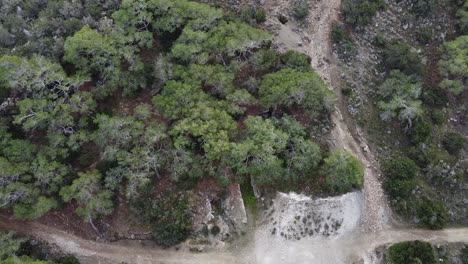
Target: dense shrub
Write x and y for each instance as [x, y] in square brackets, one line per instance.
[343, 172]
[296, 60]
[168, 215]
[431, 213]
[453, 142]
[400, 181]
[360, 12]
[400, 168]
[399, 56]
[411, 252]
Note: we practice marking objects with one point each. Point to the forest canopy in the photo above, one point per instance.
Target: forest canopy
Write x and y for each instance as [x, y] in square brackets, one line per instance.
[153, 89]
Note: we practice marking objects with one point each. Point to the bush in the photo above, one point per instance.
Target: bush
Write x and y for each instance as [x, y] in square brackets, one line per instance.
[344, 45]
[421, 132]
[300, 9]
[400, 169]
[253, 15]
[360, 12]
[422, 7]
[68, 260]
[343, 172]
[453, 142]
[411, 252]
[398, 56]
[265, 60]
[168, 215]
[438, 117]
[296, 60]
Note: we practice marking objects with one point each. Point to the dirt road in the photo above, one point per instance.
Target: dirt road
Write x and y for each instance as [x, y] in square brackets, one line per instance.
[320, 250]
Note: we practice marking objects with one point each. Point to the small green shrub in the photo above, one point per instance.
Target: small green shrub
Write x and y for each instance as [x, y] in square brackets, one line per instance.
[438, 117]
[411, 252]
[424, 35]
[421, 132]
[379, 41]
[453, 142]
[360, 12]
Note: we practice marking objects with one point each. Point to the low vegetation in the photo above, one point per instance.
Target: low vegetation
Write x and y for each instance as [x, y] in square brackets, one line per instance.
[411, 252]
[359, 13]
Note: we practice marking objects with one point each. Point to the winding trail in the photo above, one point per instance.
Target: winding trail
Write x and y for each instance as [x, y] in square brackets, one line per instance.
[374, 231]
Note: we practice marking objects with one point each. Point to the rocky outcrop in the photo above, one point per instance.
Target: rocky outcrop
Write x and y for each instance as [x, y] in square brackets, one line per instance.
[234, 209]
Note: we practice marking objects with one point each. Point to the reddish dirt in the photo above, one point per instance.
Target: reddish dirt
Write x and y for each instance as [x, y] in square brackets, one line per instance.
[301, 116]
[209, 187]
[123, 224]
[87, 86]
[432, 76]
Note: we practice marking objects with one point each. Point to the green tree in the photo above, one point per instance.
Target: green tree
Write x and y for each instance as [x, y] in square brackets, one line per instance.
[116, 133]
[400, 98]
[454, 65]
[343, 172]
[177, 99]
[34, 208]
[257, 152]
[225, 40]
[93, 200]
[209, 127]
[291, 88]
[302, 156]
[173, 15]
[214, 78]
